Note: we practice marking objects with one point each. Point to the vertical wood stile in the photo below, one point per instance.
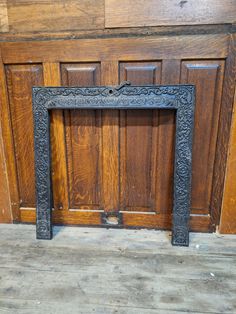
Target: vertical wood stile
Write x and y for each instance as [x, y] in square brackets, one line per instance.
[166, 141]
[227, 219]
[58, 149]
[110, 127]
[12, 211]
[223, 132]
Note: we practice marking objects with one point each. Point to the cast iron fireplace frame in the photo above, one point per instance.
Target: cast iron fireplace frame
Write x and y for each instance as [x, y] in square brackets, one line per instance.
[174, 97]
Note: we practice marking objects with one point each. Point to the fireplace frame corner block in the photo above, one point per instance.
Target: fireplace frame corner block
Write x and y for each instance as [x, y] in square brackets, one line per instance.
[174, 97]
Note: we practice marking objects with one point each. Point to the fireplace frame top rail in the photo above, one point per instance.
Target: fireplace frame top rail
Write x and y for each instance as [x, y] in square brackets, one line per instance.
[174, 97]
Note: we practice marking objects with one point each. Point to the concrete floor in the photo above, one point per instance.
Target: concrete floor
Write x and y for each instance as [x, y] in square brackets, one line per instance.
[92, 270]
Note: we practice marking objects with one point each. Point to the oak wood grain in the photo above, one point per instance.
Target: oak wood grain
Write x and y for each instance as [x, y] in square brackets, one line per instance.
[207, 76]
[51, 74]
[48, 15]
[4, 23]
[110, 143]
[228, 212]
[8, 145]
[195, 58]
[5, 202]
[166, 141]
[177, 30]
[139, 141]
[168, 12]
[20, 79]
[83, 140]
[199, 223]
[122, 49]
[223, 132]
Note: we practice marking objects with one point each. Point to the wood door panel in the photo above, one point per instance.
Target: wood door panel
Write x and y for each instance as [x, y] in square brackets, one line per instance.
[83, 140]
[138, 142]
[20, 79]
[116, 160]
[208, 78]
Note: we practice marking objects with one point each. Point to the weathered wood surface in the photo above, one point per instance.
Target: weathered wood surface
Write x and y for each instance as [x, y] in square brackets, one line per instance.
[48, 15]
[101, 154]
[32, 16]
[89, 270]
[4, 25]
[168, 12]
[228, 213]
[5, 204]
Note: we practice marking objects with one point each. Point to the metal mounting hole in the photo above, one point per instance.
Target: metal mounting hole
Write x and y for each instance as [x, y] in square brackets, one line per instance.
[110, 91]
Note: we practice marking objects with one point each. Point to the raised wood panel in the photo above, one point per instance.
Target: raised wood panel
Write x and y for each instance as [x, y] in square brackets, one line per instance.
[125, 13]
[83, 140]
[208, 79]
[138, 143]
[48, 15]
[20, 79]
[202, 63]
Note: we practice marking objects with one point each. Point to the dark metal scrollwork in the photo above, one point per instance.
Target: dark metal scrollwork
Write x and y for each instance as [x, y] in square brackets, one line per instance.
[124, 96]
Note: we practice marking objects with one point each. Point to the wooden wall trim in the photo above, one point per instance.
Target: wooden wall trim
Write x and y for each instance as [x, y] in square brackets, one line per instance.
[121, 32]
[8, 144]
[5, 202]
[228, 212]
[224, 132]
[93, 218]
[123, 49]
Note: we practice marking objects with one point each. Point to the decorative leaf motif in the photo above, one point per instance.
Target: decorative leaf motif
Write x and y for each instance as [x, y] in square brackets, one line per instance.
[179, 97]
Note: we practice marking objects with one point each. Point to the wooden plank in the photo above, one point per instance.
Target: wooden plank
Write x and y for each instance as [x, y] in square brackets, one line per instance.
[146, 274]
[8, 145]
[223, 132]
[110, 142]
[123, 49]
[51, 74]
[65, 217]
[198, 223]
[228, 212]
[48, 15]
[166, 141]
[4, 25]
[168, 12]
[5, 202]
[120, 32]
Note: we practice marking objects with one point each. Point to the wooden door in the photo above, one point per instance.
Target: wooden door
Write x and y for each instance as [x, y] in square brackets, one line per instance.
[110, 160]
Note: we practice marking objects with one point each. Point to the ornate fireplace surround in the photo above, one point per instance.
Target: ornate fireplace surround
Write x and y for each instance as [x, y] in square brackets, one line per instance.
[177, 97]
